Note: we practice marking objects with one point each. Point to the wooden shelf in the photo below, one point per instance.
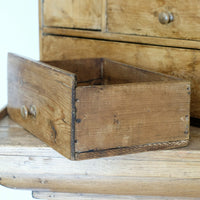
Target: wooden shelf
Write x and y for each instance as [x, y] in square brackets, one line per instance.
[76, 196]
[26, 162]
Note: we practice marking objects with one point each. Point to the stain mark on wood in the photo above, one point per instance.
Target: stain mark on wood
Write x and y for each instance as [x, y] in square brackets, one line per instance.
[43, 181]
[186, 132]
[54, 132]
[64, 120]
[78, 120]
[187, 117]
[116, 120]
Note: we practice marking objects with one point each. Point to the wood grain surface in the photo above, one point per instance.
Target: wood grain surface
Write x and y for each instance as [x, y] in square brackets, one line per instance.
[111, 120]
[50, 90]
[75, 196]
[29, 163]
[106, 115]
[118, 73]
[73, 13]
[183, 63]
[114, 116]
[150, 111]
[141, 18]
[168, 42]
[88, 71]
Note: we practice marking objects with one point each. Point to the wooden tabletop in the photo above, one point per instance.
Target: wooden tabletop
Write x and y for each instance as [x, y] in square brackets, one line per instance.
[26, 162]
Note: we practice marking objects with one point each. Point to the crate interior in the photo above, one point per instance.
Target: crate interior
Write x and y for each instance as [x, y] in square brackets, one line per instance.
[105, 72]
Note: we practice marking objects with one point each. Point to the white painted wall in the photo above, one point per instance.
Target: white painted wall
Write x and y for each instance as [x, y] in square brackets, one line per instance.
[19, 33]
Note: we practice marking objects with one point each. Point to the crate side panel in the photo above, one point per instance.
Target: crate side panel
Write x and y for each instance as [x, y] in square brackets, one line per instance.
[116, 116]
[88, 71]
[119, 73]
[32, 83]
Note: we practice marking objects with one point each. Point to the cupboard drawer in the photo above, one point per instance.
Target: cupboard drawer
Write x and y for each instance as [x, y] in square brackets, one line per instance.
[179, 62]
[97, 107]
[72, 14]
[142, 18]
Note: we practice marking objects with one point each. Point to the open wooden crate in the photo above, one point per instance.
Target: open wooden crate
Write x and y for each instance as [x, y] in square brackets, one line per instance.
[97, 107]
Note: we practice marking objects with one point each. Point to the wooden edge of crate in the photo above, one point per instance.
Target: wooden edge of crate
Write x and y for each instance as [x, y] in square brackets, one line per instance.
[86, 196]
[20, 63]
[135, 39]
[38, 63]
[73, 115]
[121, 64]
[134, 149]
[3, 112]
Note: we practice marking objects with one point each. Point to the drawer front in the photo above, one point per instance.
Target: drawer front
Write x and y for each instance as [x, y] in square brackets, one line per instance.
[178, 18]
[73, 13]
[40, 99]
[183, 63]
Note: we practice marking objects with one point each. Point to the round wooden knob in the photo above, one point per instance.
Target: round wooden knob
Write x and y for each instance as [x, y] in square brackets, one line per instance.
[165, 17]
[33, 110]
[24, 112]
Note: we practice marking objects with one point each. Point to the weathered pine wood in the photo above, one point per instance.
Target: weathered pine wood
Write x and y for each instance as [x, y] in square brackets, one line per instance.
[51, 91]
[141, 18]
[3, 113]
[88, 71]
[75, 196]
[31, 164]
[169, 42]
[73, 13]
[148, 111]
[133, 116]
[104, 16]
[183, 63]
[116, 73]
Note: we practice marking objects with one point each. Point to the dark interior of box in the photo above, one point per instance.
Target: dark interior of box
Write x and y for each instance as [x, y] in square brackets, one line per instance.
[105, 72]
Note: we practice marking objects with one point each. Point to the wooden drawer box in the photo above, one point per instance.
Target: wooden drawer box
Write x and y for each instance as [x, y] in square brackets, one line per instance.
[142, 18]
[96, 107]
[181, 63]
[73, 14]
